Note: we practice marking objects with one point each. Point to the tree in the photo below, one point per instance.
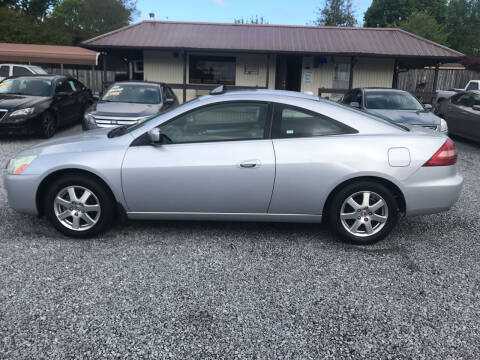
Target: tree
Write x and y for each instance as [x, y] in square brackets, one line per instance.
[88, 18]
[336, 13]
[384, 13]
[253, 20]
[463, 22]
[16, 27]
[425, 25]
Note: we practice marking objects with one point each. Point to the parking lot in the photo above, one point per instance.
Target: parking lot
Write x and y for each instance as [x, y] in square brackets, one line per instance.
[242, 290]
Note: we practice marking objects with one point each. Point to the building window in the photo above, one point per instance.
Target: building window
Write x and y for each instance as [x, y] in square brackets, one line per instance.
[212, 70]
[341, 76]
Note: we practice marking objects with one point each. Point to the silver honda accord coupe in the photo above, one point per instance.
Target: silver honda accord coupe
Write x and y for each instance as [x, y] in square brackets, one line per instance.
[254, 155]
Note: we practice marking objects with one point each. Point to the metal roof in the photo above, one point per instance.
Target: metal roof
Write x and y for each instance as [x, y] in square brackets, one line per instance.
[48, 54]
[392, 42]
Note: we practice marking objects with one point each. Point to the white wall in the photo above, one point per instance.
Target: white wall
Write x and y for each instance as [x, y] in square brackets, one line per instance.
[163, 66]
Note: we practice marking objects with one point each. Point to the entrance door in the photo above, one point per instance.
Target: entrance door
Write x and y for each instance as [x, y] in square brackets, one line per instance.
[289, 72]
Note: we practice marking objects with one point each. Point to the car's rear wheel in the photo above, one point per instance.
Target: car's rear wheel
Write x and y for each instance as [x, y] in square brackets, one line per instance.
[79, 207]
[363, 212]
[48, 125]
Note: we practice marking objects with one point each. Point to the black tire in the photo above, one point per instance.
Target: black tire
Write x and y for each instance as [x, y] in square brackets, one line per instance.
[102, 194]
[48, 125]
[335, 208]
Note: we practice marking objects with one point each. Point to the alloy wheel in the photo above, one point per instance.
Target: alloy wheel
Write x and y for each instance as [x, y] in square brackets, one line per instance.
[77, 208]
[364, 213]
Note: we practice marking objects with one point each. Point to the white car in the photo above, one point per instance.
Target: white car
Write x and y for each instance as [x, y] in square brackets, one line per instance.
[7, 70]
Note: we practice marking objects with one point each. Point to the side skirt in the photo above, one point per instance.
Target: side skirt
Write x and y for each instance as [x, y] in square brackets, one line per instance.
[263, 217]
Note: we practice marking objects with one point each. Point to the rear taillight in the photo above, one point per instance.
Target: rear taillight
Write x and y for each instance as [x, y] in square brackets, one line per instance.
[445, 156]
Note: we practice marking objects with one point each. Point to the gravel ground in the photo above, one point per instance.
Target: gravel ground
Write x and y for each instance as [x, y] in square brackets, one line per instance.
[242, 290]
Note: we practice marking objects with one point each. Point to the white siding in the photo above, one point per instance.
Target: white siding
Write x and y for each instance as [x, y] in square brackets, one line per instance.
[373, 72]
[367, 72]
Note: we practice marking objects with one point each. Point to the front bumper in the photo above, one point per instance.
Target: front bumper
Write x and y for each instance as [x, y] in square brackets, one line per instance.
[432, 189]
[26, 127]
[21, 192]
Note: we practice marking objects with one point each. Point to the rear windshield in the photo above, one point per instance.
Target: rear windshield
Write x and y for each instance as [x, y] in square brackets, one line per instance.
[371, 116]
[389, 100]
[132, 93]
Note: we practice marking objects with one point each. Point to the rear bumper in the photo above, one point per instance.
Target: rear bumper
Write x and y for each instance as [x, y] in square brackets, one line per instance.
[21, 192]
[432, 189]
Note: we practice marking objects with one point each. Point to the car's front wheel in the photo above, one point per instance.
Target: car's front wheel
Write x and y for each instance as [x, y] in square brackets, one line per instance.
[48, 125]
[364, 212]
[79, 207]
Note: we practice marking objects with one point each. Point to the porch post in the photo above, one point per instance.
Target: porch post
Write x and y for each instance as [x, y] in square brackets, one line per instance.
[184, 85]
[395, 75]
[267, 82]
[104, 75]
[435, 78]
[61, 69]
[94, 80]
[353, 61]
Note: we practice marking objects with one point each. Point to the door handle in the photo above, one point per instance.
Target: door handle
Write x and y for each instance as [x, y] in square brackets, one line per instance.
[249, 164]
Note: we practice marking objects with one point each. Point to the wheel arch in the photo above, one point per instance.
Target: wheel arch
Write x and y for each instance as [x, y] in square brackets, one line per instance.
[397, 192]
[50, 178]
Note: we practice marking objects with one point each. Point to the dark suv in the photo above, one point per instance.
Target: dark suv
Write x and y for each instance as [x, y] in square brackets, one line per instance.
[126, 103]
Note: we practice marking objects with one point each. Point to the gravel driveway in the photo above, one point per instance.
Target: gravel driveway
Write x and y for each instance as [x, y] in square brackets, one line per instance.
[191, 290]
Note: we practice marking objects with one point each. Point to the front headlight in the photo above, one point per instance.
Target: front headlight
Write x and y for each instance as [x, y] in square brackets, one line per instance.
[443, 125]
[17, 165]
[23, 112]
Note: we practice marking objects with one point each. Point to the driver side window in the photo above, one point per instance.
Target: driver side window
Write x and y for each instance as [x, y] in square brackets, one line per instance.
[63, 87]
[220, 122]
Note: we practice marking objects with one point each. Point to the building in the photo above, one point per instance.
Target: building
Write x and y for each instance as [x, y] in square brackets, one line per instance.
[195, 57]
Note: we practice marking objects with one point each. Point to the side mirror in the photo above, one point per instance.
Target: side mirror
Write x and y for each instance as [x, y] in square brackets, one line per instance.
[155, 136]
[355, 104]
[169, 101]
[476, 107]
[427, 107]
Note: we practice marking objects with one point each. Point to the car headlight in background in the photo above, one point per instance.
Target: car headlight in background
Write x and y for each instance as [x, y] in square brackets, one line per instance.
[23, 112]
[443, 125]
[17, 165]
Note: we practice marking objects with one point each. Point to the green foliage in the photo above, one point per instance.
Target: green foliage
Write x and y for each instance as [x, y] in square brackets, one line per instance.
[385, 13]
[463, 23]
[16, 27]
[88, 18]
[252, 20]
[61, 21]
[336, 13]
[425, 25]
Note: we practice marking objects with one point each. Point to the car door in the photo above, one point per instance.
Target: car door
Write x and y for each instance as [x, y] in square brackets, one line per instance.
[457, 113]
[80, 102]
[474, 116]
[64, 102]
[306, 144]
[215, 159]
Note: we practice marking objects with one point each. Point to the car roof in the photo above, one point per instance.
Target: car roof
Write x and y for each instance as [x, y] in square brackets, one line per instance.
[265, 93]
[43, 76]
[383, 89]
[138, 82]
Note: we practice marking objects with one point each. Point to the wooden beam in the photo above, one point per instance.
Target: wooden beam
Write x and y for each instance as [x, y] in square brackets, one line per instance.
[435, 78]
[268, 72]
[184, 77]
[353, 61]
[395, 75]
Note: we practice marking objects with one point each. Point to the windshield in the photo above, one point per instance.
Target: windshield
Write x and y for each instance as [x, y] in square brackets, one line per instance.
[388, 100]
[130, 93]
[38, 70]
[26, 86]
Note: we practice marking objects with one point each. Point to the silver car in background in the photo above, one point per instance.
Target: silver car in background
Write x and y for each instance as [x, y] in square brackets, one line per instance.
[246, 156]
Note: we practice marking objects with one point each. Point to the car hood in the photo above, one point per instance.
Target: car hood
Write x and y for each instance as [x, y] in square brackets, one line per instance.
[125, 109]
[94, 140]
[411, 117]
[11, 101]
